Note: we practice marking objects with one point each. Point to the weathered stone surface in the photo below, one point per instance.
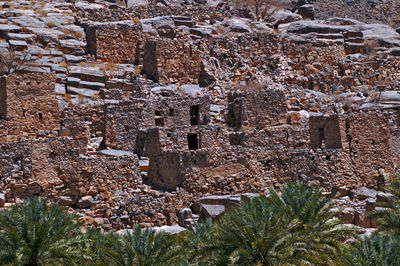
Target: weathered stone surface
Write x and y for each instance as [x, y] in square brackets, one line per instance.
[66, 201]
[363, 193]
[85, 202]
[307, 11]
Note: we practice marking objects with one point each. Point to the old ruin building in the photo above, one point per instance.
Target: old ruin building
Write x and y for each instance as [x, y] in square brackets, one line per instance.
[28, 106]
[138, 111]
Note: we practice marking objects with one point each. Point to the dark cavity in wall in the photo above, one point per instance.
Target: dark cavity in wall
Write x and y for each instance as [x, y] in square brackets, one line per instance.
[193, 141]
[194, 115]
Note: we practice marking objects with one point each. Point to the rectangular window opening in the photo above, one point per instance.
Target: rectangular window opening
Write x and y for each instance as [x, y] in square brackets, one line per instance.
[195, 115]
[193, 141]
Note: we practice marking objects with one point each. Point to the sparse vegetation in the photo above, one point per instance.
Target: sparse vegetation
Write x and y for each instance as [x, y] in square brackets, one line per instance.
[262, 8]
[12, 61]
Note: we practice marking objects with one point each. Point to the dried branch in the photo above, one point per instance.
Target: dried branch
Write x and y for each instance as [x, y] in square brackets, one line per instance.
[262, 8]
[11, 62]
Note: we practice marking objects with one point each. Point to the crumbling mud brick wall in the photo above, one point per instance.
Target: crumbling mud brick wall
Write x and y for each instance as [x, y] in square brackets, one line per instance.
[366, 145]
[53, 168]
[276, 138]
[240, 57]
[256, 108]
[115, 42]
[327, 69]
[168, 169]
[325, 132]
[28, 105]
[172, 60]
[83, 122]
[181, 111]
[124, 120]
[186, 138]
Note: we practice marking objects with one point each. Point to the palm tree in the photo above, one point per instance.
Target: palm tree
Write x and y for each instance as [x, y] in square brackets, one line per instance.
[324, 232]
[192, 242]
[35, 233]
[379, 250]
[389, 215]
[255, 233]
[140, 247]
[294, 229]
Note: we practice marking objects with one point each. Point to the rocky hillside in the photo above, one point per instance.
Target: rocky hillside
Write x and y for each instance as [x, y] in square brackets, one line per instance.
[129, 113]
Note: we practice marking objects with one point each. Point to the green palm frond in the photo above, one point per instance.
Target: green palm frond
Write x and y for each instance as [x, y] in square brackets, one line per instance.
[35, 233]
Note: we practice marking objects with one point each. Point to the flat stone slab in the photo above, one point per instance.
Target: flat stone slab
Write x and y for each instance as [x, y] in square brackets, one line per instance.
[74, 59]
[18, 44]
[5, 28]
[72, 81]
[212, 211]
[170, 229]
[82, 92]
[170, 88]
[60, 88]
[190, 89]
[72, 44]
[87, 74]
[92, 85]
[27, 21]
[21, 37]
[112, 152]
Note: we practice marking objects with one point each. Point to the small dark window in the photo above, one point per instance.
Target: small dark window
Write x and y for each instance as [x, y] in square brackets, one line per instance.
[40, 116]
[23, 113]
[193, 141]
[159, 122]
[126, 128]
[158, 113]
[168, 135]
[194, 115]
[321, 137]
[171, 112]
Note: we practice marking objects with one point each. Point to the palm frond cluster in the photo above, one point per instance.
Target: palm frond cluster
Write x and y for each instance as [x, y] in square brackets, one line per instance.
[292, 227]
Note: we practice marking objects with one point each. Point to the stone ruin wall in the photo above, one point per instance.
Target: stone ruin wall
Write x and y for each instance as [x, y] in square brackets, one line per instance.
[249, 109]
[127, 122]
[327, 69]
[29, 108]
[124, 120]
[55, 169]
[115, 42]
[172, 60]
[227, 56]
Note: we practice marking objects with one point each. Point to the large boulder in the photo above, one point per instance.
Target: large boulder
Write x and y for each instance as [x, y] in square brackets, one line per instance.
[307, 11]
[284, 16]
[162, 26]
[363, 193]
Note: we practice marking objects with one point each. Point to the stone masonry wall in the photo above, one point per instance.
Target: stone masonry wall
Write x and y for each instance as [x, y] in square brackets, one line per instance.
[115, 42]
[172, 61]
[256, 108]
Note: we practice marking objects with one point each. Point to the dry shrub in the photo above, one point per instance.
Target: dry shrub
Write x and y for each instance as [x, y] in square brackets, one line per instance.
[78, 34]
[11, 62]
[41, 12]
[262, 8]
